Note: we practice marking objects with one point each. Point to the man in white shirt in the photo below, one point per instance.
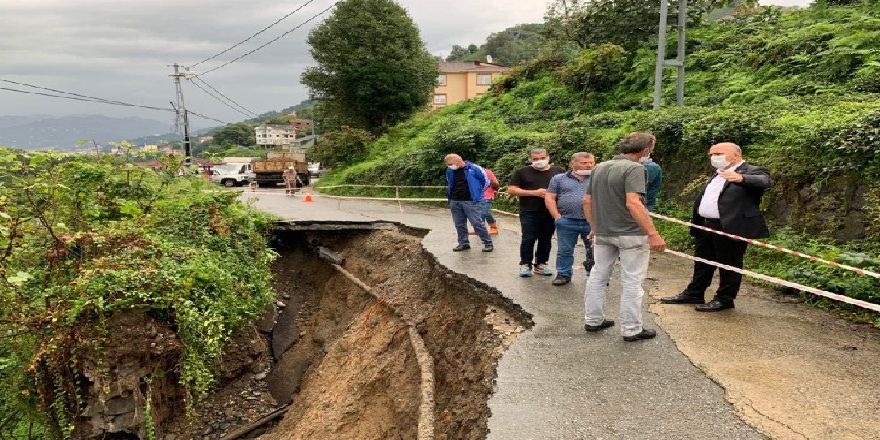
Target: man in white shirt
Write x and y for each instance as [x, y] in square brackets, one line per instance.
[731, 203]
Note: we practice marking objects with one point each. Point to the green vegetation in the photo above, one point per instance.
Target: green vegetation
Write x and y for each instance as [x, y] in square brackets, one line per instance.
[82, 239]
[373, 69]
[798, 90]
[509, 47]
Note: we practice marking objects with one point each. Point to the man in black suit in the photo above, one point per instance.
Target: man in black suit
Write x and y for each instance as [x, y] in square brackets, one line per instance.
[730, 203]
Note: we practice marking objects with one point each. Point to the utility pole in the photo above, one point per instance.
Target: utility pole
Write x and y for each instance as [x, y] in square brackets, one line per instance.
[182, 113]
[678, 62]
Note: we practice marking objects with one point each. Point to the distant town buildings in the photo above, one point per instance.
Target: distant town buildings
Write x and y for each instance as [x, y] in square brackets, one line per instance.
[460, 81]
[203, 139]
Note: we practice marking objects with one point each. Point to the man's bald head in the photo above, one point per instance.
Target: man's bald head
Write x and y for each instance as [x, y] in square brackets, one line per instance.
[732, 152]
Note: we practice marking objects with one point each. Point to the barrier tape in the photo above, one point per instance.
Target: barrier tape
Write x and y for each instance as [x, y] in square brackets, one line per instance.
[767, 278]
[380, 186]
[774, 280]
[770, 246]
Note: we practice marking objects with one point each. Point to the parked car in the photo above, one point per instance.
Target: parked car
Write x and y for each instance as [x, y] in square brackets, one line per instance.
[233, 174]
[316, 169]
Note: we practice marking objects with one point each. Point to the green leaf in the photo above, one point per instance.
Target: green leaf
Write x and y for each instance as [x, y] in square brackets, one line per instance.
[19, 278]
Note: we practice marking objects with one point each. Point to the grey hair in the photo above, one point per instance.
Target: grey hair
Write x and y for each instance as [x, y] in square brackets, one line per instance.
[581, 154]
[537, 151]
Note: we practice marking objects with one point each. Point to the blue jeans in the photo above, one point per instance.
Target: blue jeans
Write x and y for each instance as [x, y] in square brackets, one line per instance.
[537, 226]
[567, 232]
[487, 210]
[463, 212]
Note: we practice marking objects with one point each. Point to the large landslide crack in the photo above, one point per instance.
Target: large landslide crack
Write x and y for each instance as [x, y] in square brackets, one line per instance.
[377, 340]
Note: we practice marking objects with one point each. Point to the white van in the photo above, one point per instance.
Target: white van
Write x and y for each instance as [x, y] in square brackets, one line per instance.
[233, 174]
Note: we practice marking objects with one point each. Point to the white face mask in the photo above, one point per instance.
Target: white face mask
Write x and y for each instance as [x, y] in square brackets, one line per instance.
[454, 167]
[719, 161]
[541, 163]
[583, 172]
[644, 159]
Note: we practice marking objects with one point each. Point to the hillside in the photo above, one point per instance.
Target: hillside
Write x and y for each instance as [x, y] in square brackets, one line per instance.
[797, 89]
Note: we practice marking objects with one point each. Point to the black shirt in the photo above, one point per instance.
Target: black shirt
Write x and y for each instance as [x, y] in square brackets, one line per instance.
[529, 178]
[461, 191]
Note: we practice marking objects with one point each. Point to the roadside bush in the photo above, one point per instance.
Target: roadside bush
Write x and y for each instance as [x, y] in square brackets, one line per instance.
[344, 146]
[82, 239]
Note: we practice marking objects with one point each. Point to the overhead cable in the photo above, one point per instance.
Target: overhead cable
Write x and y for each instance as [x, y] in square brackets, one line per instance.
[273, 40]
[93, 98]
[252, 36]
[228, 99]
[87, 98]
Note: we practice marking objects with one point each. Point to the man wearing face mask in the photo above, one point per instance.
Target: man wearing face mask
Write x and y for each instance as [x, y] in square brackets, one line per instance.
[731, 203]
[530, 185]
[565, 201]
[466, 183]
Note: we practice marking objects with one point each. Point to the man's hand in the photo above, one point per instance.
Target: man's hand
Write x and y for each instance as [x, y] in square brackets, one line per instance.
[540, 192]
[656, 243]
[731, 176]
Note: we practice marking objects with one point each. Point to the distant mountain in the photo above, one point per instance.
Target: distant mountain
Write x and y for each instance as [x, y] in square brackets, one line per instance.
[62, 133]
[12, 121]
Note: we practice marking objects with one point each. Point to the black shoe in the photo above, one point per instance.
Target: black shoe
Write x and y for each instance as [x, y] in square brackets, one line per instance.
[461, 247]
[594, 328]
[714, 306]
[682, 298]
[644, 334]
[488, 248]
[588, 265]
[561, 280]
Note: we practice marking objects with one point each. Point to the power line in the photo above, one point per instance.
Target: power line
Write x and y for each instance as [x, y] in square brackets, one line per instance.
[206, 117]
[273, 40]
[224, 96]
[87, 98]
[79, 97]
[252, 36]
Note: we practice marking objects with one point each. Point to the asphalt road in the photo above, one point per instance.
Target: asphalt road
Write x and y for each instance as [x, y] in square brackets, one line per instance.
[771, 368]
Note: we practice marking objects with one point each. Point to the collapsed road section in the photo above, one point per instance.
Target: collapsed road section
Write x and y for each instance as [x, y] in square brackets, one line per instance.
[379, 340]
[372, 338]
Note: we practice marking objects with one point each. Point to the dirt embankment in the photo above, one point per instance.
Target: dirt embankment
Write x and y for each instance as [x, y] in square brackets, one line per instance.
[349, 368]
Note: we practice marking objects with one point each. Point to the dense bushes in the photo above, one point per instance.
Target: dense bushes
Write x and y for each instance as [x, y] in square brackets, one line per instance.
[82, 239]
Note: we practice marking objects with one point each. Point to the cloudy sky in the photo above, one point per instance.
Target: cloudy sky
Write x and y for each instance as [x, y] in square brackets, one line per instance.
[122, 49]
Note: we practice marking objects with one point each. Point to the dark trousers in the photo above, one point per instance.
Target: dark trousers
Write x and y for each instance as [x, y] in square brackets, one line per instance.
[537, 226]
[714, 247]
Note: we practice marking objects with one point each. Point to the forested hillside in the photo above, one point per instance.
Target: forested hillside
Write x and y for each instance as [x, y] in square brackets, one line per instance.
[797, 89]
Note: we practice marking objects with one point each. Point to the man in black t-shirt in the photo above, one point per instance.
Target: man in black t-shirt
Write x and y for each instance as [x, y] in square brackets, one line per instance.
[530, 184]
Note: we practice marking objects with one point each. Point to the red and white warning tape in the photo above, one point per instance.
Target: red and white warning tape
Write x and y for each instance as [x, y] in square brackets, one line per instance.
[774, 280]
[770, 246]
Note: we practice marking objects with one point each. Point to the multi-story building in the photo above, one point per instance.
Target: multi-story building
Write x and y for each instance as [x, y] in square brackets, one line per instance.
[273, 136]
[459, 81]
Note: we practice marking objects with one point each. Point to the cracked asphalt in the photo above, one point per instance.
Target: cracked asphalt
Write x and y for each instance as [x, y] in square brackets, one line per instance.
[771, 368]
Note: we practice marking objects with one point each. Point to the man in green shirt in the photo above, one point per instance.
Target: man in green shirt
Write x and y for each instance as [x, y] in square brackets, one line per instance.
[614, 206]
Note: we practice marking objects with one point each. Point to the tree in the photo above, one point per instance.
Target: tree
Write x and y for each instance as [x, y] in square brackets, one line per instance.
[240, 133]
[373, 69]
[627, 23]
[509, 47]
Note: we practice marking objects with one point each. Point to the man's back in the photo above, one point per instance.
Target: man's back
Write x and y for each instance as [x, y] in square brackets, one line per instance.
[610, 182]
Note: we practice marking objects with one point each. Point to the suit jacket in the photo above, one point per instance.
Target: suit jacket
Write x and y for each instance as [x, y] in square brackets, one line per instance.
[740, 204]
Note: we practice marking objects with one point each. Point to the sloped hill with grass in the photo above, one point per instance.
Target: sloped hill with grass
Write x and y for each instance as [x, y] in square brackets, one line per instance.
[798, 90]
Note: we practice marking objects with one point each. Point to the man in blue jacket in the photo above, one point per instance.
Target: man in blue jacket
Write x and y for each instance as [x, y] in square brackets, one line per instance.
[465, 184]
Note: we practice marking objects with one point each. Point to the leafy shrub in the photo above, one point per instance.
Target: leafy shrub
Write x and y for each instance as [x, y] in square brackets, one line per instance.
[82, 239]
[344, 146]
[594, 69]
